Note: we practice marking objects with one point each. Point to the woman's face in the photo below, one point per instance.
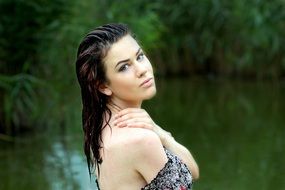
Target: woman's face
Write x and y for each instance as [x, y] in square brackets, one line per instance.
[129, 74]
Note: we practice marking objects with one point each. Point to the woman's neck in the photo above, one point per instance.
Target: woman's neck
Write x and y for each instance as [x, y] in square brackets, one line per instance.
[114, 108]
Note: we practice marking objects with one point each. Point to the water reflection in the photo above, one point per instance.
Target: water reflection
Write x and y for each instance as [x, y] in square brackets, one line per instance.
[44, 162]
[234, 129]
[65, 167]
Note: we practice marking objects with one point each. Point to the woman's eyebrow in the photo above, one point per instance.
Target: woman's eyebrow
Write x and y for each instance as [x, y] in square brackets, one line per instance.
[138, 51]
[123, 61]
[126, 60]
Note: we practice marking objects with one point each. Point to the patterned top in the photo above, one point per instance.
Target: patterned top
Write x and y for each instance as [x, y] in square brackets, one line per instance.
[173, 176]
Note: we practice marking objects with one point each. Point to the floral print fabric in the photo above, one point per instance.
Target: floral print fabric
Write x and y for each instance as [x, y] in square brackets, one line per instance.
[173, 176]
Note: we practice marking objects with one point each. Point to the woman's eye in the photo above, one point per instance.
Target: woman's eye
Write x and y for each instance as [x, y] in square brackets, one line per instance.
[123, 67]
[140, 57]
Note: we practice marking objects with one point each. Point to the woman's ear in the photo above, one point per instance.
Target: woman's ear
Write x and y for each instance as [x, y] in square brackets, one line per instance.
[104, 89]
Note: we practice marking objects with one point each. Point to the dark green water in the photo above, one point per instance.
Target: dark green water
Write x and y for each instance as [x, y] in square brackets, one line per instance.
[235, 130]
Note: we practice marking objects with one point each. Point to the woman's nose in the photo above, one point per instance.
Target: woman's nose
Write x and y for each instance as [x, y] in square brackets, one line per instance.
[141, 69]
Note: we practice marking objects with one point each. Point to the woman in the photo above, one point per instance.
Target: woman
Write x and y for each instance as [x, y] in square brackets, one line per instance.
[121, 141]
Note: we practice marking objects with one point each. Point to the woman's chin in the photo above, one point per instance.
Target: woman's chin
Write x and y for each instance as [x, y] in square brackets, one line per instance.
[150, 94]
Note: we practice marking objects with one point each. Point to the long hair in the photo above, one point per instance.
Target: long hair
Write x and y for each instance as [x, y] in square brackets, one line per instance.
[91, 73]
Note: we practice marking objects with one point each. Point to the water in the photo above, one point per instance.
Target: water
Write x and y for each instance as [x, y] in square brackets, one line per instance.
[235, 130]
[44, 162]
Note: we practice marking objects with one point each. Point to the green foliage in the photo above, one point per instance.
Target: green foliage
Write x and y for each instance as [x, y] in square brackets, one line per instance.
[233, 36]
[20, 101]
[258, 39]
[24, 26]
[39, 40]
[141, 18]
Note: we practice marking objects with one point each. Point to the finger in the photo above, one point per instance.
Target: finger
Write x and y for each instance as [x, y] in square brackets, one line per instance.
[140, 125]
[121, 124]
[135, 121]
[128, 111]
[129, 121]
[131, 116]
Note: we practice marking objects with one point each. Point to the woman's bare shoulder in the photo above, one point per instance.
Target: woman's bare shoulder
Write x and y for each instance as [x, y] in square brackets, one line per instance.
[134, 141]
[141, 145]
[137, 149]
[137, 137]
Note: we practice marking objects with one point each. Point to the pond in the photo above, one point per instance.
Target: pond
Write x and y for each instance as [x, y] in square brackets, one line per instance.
[234, 129]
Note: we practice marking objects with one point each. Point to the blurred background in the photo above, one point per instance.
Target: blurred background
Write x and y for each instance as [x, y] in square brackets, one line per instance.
[220, 72]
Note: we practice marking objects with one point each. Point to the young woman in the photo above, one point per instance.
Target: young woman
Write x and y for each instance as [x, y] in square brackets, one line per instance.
[121, 141]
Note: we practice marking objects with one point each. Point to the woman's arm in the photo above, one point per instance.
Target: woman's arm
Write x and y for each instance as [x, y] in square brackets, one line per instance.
[146, 153]
[133, 117]
[182, 152]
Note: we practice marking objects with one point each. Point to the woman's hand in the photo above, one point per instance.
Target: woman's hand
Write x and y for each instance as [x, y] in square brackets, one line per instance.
[134, 117]
[139, 118]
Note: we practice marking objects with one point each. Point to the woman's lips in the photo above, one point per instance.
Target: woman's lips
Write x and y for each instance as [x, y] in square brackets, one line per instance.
[146, 83]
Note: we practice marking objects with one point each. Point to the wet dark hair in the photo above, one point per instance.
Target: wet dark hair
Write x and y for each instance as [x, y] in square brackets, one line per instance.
[90, 72]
